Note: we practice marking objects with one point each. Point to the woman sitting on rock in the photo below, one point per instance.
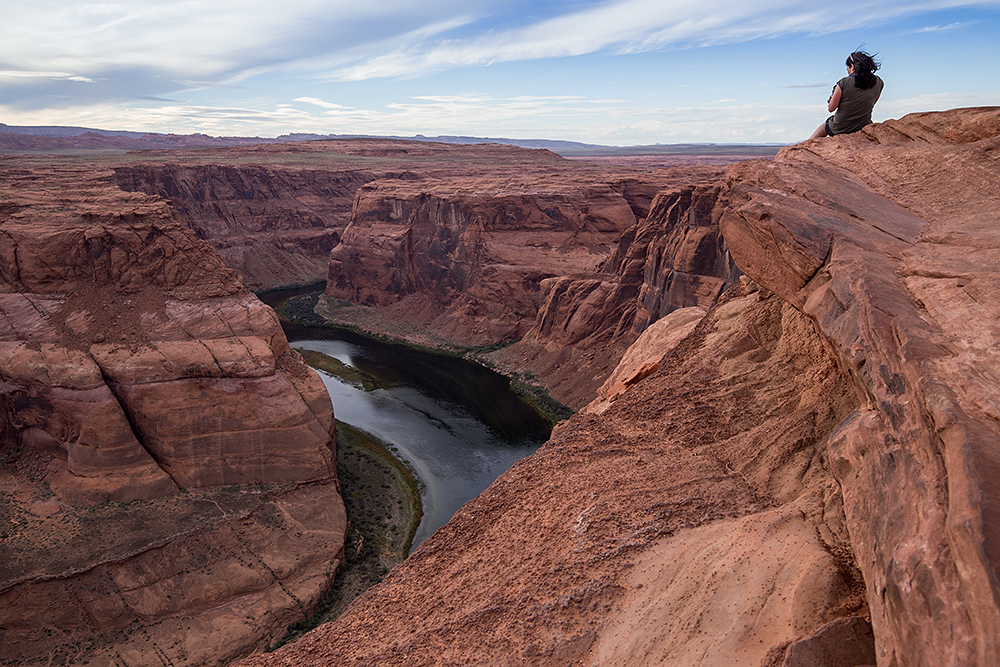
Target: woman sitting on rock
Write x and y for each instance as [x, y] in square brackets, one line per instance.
[853, 97]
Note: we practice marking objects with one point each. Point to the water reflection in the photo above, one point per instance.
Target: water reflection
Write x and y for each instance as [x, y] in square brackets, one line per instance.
[458, 424]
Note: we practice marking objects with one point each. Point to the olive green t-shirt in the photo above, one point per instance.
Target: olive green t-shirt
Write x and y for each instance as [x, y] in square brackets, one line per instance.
[855, 108]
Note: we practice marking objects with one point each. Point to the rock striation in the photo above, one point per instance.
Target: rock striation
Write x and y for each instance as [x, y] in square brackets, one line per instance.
[804, 475]
[134, 367]
[274, 225]
[568, 266]
[673, 258]
[888, 239]
[469, 254]
[693, 522]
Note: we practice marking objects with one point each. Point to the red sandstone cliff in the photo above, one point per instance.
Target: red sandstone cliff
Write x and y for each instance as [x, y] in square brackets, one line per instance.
[136, 370]
[672, 258]
[813, 455]
[274, 225]
[571, 267]
[888, 239]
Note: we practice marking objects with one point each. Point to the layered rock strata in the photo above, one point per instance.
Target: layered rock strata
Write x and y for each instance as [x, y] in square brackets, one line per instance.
[673, 258]
[692, 522]
[135, 365]
[465, 257]
[274, 225]
[571, 268]
[888, 238]
[805, 477]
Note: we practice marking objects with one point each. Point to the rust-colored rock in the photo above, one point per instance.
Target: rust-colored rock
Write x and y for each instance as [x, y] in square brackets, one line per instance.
[134, 367]
[693, 522]
[133, 310]
[274, 224]
[888, 238]
[673, 258]
[465, 256]
[838, 424]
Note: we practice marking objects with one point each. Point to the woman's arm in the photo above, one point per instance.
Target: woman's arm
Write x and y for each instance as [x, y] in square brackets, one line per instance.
[834, 99]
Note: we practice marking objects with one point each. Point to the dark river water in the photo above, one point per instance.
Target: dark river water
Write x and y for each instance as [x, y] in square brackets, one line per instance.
[458, 424]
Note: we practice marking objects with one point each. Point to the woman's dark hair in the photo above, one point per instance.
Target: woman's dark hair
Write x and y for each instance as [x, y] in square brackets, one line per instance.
[864, 69]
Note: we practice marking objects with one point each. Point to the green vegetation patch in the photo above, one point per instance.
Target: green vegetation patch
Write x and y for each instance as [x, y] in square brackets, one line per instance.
[382, 498]
[340, 370]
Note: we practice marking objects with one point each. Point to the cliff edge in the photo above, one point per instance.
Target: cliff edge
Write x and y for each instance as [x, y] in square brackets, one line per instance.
[805, 475]
[167, 459]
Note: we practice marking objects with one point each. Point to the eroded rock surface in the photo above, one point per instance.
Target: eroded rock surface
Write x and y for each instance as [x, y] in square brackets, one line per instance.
[671, 259]
[134, 366]
[656, 533]
[807, 477]
[275, 225]
[466, 256]
[889, 239]
[571, 264]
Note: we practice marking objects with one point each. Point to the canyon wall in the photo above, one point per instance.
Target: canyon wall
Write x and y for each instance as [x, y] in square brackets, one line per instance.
[673, 258]
[889, 240]
[274, 225]
[569, 269]
[136, 371]
[805, 475]
[785, 453]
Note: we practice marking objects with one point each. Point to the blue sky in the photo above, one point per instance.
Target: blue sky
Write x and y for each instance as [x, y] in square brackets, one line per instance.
[618, 72]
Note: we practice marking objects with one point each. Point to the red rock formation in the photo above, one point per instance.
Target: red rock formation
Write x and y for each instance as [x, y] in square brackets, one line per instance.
[693, 522]
[134, 364]
[549, 255]
[672, 258]
[274, 225]
[474, 250]
[132, 303]
[810, 456]
[888, 239]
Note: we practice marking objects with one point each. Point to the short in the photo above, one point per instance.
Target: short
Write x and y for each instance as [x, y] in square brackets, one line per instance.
[829, 132]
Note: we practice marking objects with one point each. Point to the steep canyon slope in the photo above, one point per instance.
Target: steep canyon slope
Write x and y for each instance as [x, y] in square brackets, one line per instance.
[805, 475]
[274, 212]
[567, 268]
[167, 458]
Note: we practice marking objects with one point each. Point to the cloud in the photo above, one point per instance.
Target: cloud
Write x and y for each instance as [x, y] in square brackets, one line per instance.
[807, 85]
[631, 26]
[57, 76]
[319, 103]
[202, 41]
[940, 28]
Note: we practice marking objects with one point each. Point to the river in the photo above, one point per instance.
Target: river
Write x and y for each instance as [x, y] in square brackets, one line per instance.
[457, 423]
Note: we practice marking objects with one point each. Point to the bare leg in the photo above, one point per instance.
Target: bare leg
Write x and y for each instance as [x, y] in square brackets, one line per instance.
[820, 131]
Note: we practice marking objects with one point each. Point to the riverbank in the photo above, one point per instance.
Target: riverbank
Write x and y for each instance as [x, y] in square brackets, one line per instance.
[382, 499]
[301, 310]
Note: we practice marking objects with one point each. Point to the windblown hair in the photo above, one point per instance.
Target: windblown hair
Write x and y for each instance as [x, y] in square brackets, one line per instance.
[865, 67]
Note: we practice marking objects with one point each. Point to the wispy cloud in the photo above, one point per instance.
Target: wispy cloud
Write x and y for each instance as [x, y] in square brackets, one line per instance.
[260, 67]
[630, 26]
[940, 28]
[51, 76]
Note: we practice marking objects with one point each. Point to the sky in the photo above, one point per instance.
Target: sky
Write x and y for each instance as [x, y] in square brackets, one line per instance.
[613, 72]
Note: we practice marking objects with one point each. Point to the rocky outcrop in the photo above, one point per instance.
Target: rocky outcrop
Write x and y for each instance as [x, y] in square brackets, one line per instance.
[573, 266]
[672, 258]
[888, 238]
[803, 478]
[126, 325]
[693, 522]
[134, 366]
[465, 257]
[274, 225]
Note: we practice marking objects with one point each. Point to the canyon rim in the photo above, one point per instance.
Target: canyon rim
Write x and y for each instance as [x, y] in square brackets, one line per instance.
[784, 373]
